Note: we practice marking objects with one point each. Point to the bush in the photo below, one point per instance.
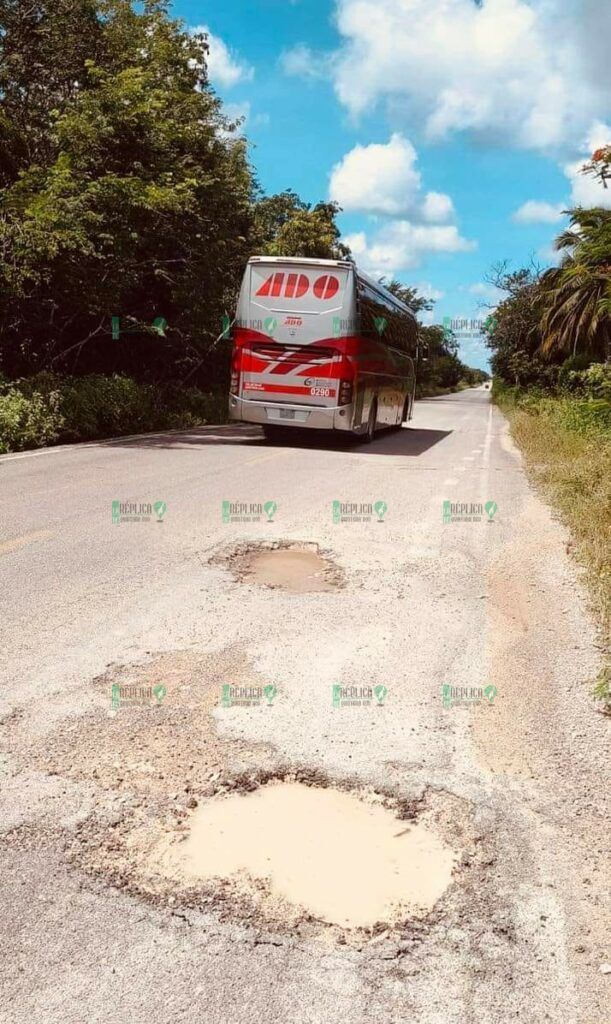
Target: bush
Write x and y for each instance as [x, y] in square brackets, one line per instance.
[28, 421]
[595, 382]
[48, 409]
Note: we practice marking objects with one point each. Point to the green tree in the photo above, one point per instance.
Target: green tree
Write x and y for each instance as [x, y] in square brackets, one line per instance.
[514, 335]
[134, 197]
[44, 47]
[577, 294]
[287, 226]
[408, 295]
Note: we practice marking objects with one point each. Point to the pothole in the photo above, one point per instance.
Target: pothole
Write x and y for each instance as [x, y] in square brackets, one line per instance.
[289, 849]
[298, 568]
[346, 861]
[131, 748]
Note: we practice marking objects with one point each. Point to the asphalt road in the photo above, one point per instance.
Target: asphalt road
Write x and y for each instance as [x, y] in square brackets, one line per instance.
[515, 783]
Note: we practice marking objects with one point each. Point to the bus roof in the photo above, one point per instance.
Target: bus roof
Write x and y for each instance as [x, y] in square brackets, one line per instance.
[301, 260]
[388, 297]
[375, 286]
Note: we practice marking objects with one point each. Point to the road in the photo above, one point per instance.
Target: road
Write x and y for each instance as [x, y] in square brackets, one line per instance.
[513, 782]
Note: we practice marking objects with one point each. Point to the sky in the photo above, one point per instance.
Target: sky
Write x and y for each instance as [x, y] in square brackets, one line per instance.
[451, 132]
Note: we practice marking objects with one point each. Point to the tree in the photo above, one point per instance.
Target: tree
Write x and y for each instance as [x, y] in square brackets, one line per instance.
[514, 336]
[289, 227]
[577, 294]
[408, 295]
[133, 198]
[44, 49]
[600, 164]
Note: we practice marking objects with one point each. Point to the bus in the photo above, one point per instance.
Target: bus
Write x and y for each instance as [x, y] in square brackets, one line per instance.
[318, 345]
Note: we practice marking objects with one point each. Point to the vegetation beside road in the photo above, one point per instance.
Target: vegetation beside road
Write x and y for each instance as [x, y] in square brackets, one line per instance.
[551, 345]
[48, 409]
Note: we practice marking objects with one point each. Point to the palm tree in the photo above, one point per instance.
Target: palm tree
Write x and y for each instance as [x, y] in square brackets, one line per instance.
[577, 294]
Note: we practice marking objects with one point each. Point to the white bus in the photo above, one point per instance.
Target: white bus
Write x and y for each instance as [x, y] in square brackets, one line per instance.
[319, 345]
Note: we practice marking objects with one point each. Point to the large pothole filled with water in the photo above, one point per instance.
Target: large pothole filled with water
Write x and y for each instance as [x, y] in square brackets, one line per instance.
[344, 860]
[299, 568]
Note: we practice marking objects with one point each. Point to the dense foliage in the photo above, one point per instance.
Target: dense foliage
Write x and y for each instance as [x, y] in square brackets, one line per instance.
[441, 369]
[552, 323]
[124, 191]
[49, 409]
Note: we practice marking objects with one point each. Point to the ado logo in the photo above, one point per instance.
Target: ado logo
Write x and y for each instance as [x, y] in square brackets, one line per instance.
[294, 286]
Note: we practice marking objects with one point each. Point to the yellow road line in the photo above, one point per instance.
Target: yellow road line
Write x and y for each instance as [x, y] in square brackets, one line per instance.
[27, 538]
[266, 458]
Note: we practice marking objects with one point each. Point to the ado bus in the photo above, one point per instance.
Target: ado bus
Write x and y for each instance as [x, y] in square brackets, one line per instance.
[319, 345]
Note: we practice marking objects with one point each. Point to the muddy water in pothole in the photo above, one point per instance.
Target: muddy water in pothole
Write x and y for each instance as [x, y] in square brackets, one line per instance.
[346, 861]
[298, 570]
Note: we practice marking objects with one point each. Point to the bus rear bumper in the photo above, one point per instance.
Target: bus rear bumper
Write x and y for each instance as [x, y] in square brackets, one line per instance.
[279, 415]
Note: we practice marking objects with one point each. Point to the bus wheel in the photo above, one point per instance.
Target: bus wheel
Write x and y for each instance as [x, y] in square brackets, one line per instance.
[273, 433]
[404, 414]
[371, 422]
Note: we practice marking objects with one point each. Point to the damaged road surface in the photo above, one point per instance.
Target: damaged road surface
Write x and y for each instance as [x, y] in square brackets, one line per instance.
[315, 743]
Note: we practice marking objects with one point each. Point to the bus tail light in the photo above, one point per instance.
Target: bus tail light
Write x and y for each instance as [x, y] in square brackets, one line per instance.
[234, 386]
[345, 392]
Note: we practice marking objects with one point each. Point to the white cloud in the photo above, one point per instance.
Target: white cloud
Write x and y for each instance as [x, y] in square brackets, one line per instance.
[529, 72]
[549, 255]
[437, 207]
[303, 62]
[237, 111]
[224, 67]
[382, 179]
[485, 290]
[427, 290]
[401, 245]
[585, 189]
[536, 212]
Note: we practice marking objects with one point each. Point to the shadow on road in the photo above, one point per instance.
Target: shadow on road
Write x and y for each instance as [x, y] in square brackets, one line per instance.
[408, 441]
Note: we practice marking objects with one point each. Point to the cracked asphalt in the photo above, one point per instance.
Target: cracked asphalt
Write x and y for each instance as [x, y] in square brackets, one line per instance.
[516, 784]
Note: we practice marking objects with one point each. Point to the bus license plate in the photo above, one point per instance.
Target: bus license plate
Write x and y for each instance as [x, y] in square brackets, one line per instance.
[287, 414]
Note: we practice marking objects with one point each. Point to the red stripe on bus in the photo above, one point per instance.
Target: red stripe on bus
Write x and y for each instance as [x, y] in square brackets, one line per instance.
[284, 389]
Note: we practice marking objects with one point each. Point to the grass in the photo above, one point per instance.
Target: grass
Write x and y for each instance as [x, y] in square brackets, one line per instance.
[567, 446]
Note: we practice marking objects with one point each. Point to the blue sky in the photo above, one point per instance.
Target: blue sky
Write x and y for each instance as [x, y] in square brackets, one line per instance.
[450, 131]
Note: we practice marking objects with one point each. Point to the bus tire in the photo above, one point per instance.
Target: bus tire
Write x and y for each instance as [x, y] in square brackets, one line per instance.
[273, 433]
[371, 422]
[404, 414]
